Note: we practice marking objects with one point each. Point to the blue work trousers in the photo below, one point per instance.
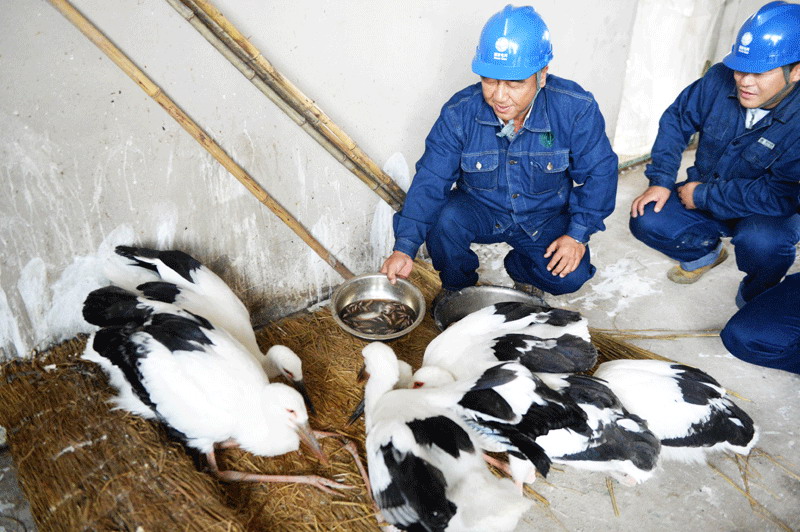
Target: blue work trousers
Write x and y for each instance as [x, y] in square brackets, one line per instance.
[765, 245]
[766, 331]
[464, 221]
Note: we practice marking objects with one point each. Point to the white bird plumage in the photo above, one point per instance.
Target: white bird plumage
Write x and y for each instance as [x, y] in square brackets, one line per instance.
[612, 440]
[540, 338]
[551, 343]
[424, 464]
[509, 408]
[177, 367]
[687, 409]
[174, 276]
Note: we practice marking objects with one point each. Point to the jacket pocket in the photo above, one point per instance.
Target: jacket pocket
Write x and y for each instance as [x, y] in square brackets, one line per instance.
[761, 153]
[715, 127]
[547, 171]
[479, 170]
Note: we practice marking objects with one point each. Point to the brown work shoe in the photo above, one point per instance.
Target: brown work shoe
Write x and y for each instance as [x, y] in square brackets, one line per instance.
[676, 274]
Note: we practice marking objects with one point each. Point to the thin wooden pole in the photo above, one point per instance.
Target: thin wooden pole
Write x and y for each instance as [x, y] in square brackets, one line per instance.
[225, 45]
[286, 90]
[155, 92]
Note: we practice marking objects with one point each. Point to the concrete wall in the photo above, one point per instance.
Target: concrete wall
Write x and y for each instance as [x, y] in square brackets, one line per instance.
[671, 45]
[89, 161]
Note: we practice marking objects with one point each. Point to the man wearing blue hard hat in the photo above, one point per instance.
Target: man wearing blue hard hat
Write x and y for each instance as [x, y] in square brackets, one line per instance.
[746, 175]
[520, 157]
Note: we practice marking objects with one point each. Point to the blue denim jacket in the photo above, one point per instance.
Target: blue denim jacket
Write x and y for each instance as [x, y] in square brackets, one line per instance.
[560, 161]
[742, 171]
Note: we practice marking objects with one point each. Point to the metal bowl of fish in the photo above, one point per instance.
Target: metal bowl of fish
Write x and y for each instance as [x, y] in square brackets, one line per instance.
[370, 307]
[468, 300]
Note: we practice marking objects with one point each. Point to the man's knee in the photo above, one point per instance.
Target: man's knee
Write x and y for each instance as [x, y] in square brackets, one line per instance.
[449, 215]
[735, 337]
[753, 342]
[571, 282]
[646, 226]
[757, 241]
[524, 269]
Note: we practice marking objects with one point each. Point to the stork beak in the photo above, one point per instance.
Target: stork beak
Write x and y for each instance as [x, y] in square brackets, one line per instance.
[308, 438]
[363, 374]
[356, 413]
[300, 386]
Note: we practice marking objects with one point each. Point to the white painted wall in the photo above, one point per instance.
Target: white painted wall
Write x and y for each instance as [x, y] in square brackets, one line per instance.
[89, 161]
[733, 15]
[671, 44]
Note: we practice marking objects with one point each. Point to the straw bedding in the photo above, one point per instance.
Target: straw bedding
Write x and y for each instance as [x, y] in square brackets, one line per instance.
[86, 467]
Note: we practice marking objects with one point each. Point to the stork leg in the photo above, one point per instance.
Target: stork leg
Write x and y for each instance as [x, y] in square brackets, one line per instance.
[321, 483]
[350, 447]
[499, 464]
[504, 468]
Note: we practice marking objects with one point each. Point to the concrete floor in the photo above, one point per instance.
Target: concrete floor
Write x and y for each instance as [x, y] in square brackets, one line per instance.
[15, 513]
[631, 291]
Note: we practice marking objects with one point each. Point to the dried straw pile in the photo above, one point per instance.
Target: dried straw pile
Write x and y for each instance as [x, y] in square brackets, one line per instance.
[85, 467]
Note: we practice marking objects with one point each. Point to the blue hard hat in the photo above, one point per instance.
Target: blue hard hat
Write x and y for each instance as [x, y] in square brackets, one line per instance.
[514, 44]
[769, 39]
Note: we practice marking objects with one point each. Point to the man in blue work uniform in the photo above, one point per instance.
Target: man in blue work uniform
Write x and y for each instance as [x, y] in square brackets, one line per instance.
[521, 157]
[766, 331]
[744, 182]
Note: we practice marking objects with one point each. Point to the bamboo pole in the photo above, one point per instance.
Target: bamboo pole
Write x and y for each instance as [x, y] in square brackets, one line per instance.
[225, 45]
[155, 92]
[287, 91]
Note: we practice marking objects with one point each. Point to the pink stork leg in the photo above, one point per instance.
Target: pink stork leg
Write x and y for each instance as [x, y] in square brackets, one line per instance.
[350, 447]
[321, 483]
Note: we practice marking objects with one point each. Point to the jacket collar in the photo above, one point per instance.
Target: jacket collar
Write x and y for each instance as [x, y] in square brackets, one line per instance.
[537, 122]
[788, 108]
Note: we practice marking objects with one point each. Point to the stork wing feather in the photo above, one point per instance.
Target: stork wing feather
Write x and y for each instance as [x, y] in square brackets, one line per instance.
[416, 493]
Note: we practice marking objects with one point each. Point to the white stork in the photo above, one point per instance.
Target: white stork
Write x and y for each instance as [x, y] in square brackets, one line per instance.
[177, 367]
[612, 440]
[689, 411]
[542, 339]
[173, 276]
[425, 466]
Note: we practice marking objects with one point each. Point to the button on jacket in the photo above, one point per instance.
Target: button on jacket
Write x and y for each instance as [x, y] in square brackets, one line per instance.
[742, 171]
[560, 161]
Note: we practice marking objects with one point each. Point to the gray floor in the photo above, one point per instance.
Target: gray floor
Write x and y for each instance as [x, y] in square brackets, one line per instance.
[15, 513]
[630, 291]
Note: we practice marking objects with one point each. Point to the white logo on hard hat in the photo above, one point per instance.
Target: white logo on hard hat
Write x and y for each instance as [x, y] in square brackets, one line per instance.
[501, 45]
[747, 38]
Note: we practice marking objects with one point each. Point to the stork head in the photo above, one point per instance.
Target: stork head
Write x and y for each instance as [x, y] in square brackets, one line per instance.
[405, 375]
[431, 377]
[286, 419]
[404, 371]
[291, 367]
[380, 362]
